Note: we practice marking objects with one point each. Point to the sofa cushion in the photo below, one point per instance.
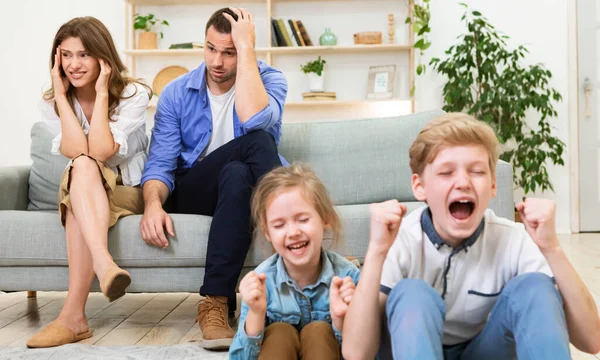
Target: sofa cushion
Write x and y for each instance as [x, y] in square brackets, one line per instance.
[39, 240]
[46, 170]
[360, 161]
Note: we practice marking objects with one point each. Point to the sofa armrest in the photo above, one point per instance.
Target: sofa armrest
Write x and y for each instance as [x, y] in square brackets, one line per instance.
[14, 187]
[503, 204]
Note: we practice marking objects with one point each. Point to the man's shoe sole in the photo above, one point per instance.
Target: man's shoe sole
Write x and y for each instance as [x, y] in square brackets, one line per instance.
[217, 344]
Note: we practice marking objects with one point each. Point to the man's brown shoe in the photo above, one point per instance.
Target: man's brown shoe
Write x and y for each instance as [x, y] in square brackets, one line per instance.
[213, 320]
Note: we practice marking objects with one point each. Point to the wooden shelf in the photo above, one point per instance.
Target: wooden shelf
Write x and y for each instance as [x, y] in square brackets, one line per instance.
[279, 50]
[307, 103]
[338, 48]
[296, 104]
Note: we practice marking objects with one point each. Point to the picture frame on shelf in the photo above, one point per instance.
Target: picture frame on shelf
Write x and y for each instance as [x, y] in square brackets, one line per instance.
[381, 82]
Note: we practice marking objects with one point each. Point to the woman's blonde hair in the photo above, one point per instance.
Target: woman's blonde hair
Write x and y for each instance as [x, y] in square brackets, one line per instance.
[452, 129]
[98, 42]
[298, 176]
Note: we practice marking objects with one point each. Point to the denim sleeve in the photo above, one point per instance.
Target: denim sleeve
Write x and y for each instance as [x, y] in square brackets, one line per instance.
[337, 333]
[269, 117]
[245, 347]
[165, 146]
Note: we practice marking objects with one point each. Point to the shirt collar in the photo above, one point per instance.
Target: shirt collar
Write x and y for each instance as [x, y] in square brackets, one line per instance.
[197, 79]
[437, 241]
[327, 274]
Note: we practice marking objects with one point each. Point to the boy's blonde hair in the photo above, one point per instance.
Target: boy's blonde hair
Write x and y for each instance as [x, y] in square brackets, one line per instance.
[452, 129]
[298, 176]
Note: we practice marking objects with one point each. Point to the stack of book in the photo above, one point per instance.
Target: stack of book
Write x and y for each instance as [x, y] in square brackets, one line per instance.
[319, 96]
[289, 33]
[187, 45]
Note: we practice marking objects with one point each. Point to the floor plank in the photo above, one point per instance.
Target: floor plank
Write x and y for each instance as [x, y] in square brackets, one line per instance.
[109, 318]
[175, 325]
[28, 325]
[136, 326]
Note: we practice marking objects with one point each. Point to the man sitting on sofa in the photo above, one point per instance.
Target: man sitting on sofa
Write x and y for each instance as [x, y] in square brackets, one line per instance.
[216, 133]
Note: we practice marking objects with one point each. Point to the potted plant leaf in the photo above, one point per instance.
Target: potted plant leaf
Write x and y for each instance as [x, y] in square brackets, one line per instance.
[316, 74]
[148, 39]
[492, 82]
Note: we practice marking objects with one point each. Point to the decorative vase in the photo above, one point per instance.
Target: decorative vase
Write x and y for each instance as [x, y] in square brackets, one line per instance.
[316, 83]
[147, 40]
[328, 38]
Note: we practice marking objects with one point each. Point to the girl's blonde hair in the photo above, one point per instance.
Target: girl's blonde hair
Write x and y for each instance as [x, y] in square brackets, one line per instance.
[98, 42]
[298, 176]
[452, 129]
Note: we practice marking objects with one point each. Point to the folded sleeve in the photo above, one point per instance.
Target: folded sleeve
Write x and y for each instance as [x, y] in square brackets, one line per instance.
[270, 117]
[131, 115]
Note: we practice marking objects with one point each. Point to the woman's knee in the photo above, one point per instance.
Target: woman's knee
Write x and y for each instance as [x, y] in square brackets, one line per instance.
[84, 166]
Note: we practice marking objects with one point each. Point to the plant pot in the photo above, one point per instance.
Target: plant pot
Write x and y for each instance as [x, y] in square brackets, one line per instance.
[147, 40]
[316, 83]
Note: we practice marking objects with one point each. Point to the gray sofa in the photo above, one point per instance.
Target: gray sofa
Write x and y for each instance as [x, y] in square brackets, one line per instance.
[360, 161]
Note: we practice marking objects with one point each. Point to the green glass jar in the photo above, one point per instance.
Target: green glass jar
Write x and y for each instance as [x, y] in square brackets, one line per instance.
[328, 38]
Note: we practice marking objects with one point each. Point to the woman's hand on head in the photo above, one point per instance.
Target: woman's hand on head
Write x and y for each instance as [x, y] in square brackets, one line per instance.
[60, 83]
[103, 78]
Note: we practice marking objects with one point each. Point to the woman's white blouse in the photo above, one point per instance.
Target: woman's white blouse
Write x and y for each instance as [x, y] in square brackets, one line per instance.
[128, 128]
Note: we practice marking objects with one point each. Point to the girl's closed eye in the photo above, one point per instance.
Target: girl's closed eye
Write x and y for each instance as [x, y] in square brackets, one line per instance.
[304, 219]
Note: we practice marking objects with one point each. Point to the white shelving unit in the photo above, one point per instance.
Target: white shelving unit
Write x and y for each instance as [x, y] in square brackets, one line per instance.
[272, 55]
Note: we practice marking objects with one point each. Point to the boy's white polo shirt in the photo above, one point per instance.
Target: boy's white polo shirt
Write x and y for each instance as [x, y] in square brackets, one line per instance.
[470, 277]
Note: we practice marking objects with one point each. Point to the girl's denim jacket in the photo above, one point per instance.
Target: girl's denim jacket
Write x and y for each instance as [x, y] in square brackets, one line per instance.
[286, 302]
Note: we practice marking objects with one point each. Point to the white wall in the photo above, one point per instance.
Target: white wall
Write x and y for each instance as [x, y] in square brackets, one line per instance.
[29, 28]
[31, 24]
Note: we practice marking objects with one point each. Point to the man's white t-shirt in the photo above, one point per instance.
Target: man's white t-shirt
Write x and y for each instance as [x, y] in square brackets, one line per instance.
[221, 107]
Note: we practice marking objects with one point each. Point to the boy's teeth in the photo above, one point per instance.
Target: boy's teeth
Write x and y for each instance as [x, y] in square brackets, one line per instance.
[464, 201]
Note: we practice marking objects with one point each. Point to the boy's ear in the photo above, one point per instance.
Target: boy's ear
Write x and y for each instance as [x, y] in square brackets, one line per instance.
[494, 186]
[417, 187]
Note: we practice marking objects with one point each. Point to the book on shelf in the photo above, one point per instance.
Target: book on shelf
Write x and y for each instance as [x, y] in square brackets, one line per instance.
[286, 36]
[277, 33]
[290, 29]
[304, 33]
[297, 34]
[319, 96]
[187, 45]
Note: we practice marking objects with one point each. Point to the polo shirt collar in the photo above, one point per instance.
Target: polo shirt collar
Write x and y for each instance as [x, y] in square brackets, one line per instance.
[437, 241]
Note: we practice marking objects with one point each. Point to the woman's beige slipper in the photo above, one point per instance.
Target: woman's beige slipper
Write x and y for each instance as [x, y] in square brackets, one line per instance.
[114, 282]
[55, 335]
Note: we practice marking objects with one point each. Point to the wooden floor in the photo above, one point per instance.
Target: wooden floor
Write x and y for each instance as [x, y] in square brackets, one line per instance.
[170, 318]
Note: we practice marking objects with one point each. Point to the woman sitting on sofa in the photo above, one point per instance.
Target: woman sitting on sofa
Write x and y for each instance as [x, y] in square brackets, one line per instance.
[98, 115]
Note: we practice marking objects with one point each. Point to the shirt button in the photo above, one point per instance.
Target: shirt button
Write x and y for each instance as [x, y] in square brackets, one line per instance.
[257, 343]
[328, 317]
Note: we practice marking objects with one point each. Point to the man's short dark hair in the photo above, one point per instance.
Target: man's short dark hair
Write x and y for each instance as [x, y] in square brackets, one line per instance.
[220, 22]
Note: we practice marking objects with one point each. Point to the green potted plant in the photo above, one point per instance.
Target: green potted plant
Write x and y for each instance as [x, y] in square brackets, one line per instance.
[316, 74]
[148, 39]
[491, 81]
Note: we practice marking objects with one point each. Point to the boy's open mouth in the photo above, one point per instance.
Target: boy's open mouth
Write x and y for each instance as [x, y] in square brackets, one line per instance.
[462, 209]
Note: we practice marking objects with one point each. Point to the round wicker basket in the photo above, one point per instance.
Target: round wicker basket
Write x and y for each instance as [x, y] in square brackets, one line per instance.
[165, 76]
